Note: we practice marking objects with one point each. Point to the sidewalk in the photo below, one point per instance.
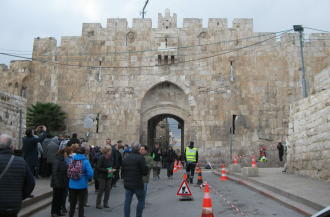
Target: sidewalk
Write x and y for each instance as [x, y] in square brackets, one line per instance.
[42, 197]
[303, 194]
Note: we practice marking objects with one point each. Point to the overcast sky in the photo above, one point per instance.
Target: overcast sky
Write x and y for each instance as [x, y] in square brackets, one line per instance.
[23, 20]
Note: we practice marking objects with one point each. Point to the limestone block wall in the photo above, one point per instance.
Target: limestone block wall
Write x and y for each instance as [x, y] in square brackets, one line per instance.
[110, 72]
[12, 116]
[309, 127]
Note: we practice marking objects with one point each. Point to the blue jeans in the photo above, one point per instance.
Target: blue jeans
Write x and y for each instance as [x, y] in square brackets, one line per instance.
[128, 200]
[145, 188]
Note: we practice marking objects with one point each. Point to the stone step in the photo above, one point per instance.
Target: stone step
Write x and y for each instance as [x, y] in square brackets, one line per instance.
[35, 207]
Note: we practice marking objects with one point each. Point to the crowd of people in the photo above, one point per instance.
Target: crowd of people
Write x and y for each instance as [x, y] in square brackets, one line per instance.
[72, 164]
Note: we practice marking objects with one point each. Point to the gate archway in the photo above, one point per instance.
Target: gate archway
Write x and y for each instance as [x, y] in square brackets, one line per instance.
[164, 100]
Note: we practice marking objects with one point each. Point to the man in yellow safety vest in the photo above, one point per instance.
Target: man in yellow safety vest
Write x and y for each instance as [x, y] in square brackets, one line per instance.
[191, 158]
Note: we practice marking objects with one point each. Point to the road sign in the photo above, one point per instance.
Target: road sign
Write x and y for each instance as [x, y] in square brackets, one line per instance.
[184, 189]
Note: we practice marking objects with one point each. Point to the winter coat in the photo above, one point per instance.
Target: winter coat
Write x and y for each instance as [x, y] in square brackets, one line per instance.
[117, 158]
[30, 148]
[102, 165]
[16, 184]
[87, 174]
[155, 154]
[171, 156]
[73, 141]
[150, 165]
[59, 173]
[134, 168]
[52, 149]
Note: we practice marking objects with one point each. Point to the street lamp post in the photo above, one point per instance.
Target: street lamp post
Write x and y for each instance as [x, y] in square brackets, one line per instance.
[300, 29]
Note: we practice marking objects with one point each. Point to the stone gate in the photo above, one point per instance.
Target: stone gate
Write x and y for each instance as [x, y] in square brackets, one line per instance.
[214, 80]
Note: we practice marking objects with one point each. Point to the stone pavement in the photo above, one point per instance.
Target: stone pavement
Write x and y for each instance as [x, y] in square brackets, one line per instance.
[303, 194]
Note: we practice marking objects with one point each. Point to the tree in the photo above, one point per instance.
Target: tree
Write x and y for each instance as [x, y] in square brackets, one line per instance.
[48, 114]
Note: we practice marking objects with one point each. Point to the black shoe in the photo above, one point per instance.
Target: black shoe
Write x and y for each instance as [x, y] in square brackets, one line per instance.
[98, 207]
[106, 206]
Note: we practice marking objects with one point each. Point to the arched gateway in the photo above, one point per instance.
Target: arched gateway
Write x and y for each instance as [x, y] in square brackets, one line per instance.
[164, 100]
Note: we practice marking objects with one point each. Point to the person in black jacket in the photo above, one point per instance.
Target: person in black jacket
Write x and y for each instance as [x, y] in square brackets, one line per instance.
[134, 168]
[17, 183]
[171, 157]
[74, 140]
[30, 147]
[156, 155]
[117, 159]
[58, 182]
[104, 169]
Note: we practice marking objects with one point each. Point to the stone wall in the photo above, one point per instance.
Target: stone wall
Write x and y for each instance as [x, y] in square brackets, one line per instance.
[12, 116]
[201, 75]
[309, 132]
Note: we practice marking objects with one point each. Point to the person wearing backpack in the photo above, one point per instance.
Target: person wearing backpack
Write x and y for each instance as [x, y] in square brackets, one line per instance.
[79, 172]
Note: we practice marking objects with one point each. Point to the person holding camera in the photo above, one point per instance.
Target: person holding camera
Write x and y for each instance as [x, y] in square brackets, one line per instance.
[30, 146]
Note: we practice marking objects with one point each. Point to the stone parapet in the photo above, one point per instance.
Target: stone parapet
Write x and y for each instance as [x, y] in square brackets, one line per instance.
[12, 116]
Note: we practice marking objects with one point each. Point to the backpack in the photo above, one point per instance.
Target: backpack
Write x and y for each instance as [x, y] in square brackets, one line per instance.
[75, 169]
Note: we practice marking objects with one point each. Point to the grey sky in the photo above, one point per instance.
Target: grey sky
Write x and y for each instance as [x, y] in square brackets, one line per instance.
[23, 20]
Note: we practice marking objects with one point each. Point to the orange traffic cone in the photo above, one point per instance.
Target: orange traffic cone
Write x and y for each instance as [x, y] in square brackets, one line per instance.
[180, 167]
[207, 210]
[223, 175]
[185, 176]
[175, 169]
[254, 163]
[235, 161]
[197, 169]
[199, 178]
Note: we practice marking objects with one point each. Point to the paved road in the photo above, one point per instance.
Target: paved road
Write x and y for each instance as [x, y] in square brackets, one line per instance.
[229, 199]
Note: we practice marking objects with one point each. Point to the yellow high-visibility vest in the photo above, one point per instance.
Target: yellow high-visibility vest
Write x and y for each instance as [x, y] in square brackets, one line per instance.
[191, 154]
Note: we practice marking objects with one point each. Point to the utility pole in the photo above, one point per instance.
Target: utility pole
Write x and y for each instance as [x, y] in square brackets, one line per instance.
[143, 10]
[300, 29]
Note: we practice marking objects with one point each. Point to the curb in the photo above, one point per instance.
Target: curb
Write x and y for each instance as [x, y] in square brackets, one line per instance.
[38, 203]
[35, 204]
[296, 198]
[274, 195]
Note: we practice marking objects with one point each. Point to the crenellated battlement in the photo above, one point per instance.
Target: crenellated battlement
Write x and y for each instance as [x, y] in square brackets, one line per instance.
[142, 24]
[192, 23]
[167, 34]
[243, 24]
[117, 23]
[91, 29]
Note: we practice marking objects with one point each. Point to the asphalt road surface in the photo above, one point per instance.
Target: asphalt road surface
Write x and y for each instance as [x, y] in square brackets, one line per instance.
[228, 198]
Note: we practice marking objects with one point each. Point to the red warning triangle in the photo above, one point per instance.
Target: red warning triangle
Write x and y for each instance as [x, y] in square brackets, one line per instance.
[184, 189]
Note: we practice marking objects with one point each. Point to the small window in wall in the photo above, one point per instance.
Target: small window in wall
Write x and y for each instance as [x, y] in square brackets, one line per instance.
[165, 59]
[16, 85]
[90, 33]
[172, 59]
[159, 59]
[9, 85]
[24, 92]
[233, 124]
